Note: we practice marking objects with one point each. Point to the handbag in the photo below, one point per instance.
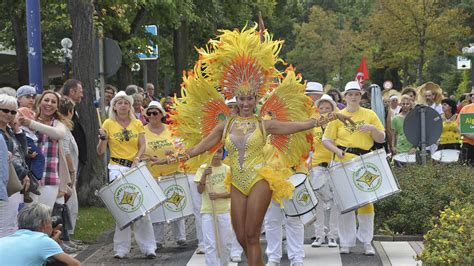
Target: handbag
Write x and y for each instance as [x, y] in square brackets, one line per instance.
[13, 185]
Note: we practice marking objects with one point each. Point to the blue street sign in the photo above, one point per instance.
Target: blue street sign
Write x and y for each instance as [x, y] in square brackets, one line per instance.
[152, 47]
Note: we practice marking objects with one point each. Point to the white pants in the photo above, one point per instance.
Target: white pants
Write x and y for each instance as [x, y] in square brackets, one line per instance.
[348, 231]
[142, 229]
[319, 172]
[274, 219]
[209, 238]
[48, 196]
[178, 228]
[73, 207]
[8, 214]
[196, 199]
[236, 250]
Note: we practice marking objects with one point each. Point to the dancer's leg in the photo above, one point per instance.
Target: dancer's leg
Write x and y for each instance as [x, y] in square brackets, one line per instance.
[238, 210]
[257, 205]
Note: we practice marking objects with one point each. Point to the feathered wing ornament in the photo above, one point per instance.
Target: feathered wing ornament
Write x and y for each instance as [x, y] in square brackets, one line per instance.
[289, 103]
[240, 62]
[197, 113]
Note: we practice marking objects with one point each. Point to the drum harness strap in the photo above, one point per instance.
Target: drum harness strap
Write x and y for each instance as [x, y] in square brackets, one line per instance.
[356, 151]
[123, 162]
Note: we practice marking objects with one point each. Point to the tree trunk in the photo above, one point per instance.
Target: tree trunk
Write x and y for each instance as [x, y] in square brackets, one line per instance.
[152, 75]
[180, 51]
[93, 175]
[18, 20]
[421, 62]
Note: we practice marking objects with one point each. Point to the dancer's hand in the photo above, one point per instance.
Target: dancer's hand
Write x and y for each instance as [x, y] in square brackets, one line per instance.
[344, 118]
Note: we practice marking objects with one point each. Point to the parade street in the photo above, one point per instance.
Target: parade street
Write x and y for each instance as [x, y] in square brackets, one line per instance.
[389, 252]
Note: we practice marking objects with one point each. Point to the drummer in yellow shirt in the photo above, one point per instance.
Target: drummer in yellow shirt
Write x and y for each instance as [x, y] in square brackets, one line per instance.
[320, 160]
[124, 136]
[348, 142]
[159, 141]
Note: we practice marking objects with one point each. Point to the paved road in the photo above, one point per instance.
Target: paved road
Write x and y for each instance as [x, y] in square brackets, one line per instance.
[388, 253]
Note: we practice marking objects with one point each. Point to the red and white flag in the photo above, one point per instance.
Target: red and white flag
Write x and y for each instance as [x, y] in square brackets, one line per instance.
[362, 72]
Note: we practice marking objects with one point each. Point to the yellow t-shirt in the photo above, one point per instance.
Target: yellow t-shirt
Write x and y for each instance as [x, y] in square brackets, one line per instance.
[349, 135]
[216, 181]
[156, 145]
[321, 154]
[450, 133]
[123, 143]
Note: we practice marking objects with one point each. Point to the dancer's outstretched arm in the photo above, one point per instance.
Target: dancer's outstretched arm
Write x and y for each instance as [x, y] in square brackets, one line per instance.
[289, 127]
[208, 142]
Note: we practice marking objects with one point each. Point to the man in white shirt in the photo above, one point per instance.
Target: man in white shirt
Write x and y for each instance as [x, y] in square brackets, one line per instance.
[429, 99]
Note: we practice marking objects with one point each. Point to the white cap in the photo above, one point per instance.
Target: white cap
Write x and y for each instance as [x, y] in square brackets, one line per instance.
[327, 98]
[121, 95]
[233, 100]
[155, 105]
[314, 87]
[26, 90]
[352, 86]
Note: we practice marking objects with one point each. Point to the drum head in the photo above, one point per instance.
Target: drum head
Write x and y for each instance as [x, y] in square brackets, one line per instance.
[446, 156]
[297, 179]
[405, 158]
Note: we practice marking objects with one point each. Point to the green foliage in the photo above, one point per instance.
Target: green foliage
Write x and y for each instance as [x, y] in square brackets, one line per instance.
[426, 190]
[450, 241]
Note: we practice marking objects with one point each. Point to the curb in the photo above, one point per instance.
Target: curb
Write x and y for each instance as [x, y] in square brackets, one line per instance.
[104, 237]
[398, 238]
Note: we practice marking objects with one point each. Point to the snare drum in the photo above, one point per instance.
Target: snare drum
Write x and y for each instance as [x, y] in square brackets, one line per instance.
[405, 157]
[446, 156]
[132, 195]
[362, 180]
[179, 203]
[304, 200]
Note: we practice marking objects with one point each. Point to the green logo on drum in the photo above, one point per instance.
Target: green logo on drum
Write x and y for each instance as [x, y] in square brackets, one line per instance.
[303, 197]
[367, 178]
[176, 198]
[128, 197]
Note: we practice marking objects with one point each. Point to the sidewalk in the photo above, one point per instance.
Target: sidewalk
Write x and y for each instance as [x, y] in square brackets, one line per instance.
[102, 252]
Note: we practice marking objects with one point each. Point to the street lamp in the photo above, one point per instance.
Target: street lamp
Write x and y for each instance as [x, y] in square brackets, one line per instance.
[66, 43]
[469, 52]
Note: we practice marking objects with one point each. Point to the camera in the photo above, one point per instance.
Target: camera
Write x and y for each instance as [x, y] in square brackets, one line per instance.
[56, 220]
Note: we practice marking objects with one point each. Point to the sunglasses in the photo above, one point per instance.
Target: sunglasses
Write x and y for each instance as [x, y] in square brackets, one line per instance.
[6, 111]
[155, 113]
[125, 134]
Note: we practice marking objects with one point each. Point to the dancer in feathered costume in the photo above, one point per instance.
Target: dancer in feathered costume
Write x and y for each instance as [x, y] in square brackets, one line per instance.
[242, 64]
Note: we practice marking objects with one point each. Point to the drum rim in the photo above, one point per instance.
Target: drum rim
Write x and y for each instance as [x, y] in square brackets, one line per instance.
[302, 213]
[304, 180]
[407, 155]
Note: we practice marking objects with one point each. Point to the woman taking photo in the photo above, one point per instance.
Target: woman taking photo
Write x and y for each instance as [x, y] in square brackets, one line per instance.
[124, 135]
[348, 142]
[158, 141]
[51, 128]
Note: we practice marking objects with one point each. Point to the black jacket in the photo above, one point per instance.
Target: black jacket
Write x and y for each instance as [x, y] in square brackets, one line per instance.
[80, 137]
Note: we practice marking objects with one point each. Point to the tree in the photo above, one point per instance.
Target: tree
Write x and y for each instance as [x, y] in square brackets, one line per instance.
[93, 174]
[407, 32]
[322, 50]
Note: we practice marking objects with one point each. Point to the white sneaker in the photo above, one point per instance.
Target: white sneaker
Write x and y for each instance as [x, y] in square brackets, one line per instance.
[344, 250]
[200, 251]
[236, 259]
[296, 264]
[272, 263]
[317, 242]
[369, 250]
[332, 242]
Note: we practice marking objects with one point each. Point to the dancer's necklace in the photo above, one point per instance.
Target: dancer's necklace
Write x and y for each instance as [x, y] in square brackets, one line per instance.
[245, 125]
